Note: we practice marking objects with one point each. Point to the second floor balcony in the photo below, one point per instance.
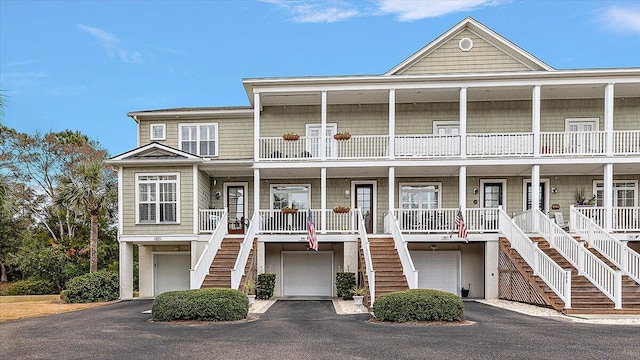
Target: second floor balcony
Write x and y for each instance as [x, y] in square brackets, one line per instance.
[425, 146]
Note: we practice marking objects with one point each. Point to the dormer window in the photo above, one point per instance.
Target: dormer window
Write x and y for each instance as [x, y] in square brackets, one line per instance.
[157, 132]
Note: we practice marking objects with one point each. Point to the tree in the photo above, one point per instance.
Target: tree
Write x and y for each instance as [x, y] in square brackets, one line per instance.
[90, 189]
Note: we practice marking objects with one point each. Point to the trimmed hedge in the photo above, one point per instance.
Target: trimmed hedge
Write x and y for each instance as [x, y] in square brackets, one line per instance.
[102, 285]
[265, 285]
[31, 287]
[345, 282]
[201, 304]
[419, 305]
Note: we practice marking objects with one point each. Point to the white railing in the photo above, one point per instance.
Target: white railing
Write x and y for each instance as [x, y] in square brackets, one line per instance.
[245, 249]
[200, 271]
[427, 146]
[500, 144]
[368, 262]
[210, 219]
[361, 147]
[557, 278]
[616, 251]
[442, 220]
[276, 221]
[572, 143]
[409, 270]
[279, 149]
[590, 266]
[626, 142]
[622, 218]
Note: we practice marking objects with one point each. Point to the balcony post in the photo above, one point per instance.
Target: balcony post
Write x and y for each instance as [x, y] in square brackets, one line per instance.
[608, 197]
[392, 180]
[462, 190]
[535, 196]
[535, 120]
[608, 118]
[323, 200]
[463, 122]
[392, 125]
[323, 128]
[256, 126]
[256, 190]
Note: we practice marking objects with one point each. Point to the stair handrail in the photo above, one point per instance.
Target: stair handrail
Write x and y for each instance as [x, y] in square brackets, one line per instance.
[408, 268]
[366, 250]
[557, 278]
[201, 269]
[616, 251]
[590, 266]
[245, 249]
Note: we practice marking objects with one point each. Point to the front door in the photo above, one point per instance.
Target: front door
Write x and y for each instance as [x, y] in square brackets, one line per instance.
[236, 208]
[364, 202]
[492, 197]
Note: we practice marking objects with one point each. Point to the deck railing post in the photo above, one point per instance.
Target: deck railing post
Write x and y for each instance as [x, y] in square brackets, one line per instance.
[618, 289]
[536, 260]
[567, 290]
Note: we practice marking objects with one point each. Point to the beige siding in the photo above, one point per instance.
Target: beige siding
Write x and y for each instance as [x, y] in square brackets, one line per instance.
[219, 187]
[626, 114]
[554, 112]
[413, 119]
[204, 191]
[448, 58]
[277, 120]
[186, 202]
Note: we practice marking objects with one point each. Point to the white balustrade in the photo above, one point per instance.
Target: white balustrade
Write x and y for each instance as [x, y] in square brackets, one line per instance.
[360, 147]
[408, 268]
[572, 143]
[427, 146]
[626, 142]
[210, 219]
[499, 144]
[277, 221]
[245, 249]
[443, 220]
[623, 218]
[368, 261]
[200, 271]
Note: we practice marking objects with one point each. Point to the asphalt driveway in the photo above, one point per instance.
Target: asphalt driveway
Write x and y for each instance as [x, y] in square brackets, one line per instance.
[310, 330]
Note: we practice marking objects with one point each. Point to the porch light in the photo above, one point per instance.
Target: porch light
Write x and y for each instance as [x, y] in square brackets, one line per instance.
[554, 190]
[346, 194]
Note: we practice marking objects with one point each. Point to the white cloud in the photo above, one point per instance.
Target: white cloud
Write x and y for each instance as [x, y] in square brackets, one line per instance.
[314, 11]
[622, 19]
[19, 63]
[25, 74]
[410, 10]
[112, 45]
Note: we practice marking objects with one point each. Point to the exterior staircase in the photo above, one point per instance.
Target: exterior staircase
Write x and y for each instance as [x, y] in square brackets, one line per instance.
[386, 263]
[220, 270]
[630, 288]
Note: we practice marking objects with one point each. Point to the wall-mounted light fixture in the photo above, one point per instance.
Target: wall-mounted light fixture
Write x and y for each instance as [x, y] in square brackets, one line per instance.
[346, 194]
[475, 191]
[218, 194]
[554, 190]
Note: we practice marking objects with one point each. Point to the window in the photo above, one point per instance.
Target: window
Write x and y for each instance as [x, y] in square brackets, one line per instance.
[624, 193]
[199, 139]
[157, 198]
[446, 127]
[313, 143]
[290, 196]
[420, 196]
[157, 132]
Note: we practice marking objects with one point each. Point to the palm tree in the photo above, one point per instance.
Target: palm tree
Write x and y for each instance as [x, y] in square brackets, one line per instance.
[89, 189]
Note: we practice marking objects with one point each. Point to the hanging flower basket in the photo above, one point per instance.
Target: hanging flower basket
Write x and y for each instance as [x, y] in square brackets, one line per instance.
[289, 210]
[291, 137]
[342, 136]
[341, 209]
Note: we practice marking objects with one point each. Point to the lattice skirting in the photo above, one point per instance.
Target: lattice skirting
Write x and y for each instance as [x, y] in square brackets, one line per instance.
[513, 285]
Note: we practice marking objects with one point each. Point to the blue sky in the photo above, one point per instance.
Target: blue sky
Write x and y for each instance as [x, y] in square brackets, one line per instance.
[82, 65]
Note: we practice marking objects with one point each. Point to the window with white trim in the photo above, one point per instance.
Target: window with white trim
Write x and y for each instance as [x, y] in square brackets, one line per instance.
[624, 193]
[157, 132]
[157, 200]
[291, 196]
[199, 139]
[446, 127]
[420, 195]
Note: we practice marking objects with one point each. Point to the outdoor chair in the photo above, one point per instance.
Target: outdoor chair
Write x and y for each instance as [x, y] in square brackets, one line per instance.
[560, 221]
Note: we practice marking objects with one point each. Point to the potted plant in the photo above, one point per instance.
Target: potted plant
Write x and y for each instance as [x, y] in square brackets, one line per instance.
[342, 136]
[580, 199]
[341, 209]
[289, 210]
[291, 136]
[358, 295]
[248, 287]
[465, 292]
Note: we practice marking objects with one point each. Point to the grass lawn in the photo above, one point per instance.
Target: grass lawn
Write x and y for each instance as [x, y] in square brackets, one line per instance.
[21, 307]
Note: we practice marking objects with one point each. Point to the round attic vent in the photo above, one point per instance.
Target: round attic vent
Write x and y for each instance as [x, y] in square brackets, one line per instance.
[465, 44]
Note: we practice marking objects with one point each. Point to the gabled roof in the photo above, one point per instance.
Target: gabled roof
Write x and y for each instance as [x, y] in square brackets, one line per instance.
[153, 152]
[443, 62]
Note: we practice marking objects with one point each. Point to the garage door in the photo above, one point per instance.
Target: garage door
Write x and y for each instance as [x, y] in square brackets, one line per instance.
[307, 273]
[171, 272]
[438, 270]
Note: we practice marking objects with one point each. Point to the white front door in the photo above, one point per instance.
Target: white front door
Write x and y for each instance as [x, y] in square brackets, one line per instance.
[307, 273]
[438, 270]
[582, 137]
[313, 139]
[171, 272]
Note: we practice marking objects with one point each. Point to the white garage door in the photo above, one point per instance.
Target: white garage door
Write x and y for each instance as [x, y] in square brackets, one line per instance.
[438, 270]
[307, 273]
[171, 272]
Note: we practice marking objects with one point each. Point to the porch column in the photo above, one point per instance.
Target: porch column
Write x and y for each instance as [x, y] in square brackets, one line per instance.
[392, 181]
[608, 118]
[323, 200]
[256, 190]
[462, 189]
[256, 126]
[608, 197]
[126, 270]
[463, 122]
[260, 257]
[535, 195]
[196, 208]
[535, 120]
[323, 128]
[392, 124]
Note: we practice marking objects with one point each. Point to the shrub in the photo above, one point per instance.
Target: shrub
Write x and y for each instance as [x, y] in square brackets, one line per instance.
[98, 286]
[31, 287]
[265, 285]
[200, 304]
[345, 282]
[419, 305]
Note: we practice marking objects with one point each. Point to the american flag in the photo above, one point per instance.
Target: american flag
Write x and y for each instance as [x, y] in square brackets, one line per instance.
[313, 238]
[462, 228]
